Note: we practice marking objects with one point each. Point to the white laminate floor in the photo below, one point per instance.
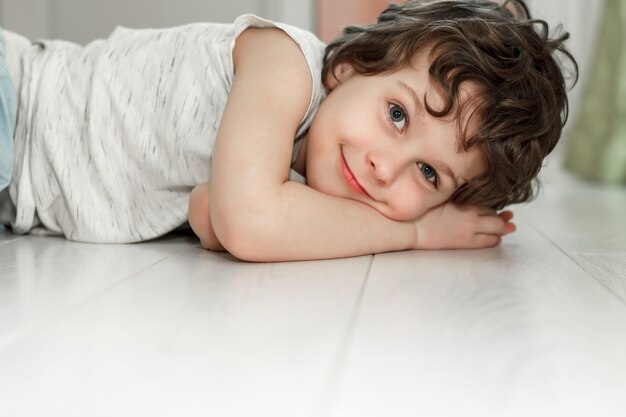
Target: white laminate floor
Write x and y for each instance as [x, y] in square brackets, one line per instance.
[536, 327]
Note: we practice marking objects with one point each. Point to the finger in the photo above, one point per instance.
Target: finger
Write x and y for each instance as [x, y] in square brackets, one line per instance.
[509, 228]
[483, 240]
[495, 225]
[492, 225]
[506, 215]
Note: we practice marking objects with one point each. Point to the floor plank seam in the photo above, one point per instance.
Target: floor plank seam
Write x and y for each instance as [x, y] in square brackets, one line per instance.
[14, 238]
[19, 334]
[328, 397]
[582, 267]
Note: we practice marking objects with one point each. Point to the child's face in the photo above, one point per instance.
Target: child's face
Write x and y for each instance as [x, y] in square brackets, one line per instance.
[373, 141]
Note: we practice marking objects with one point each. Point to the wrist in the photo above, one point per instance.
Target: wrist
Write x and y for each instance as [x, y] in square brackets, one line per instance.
[415, 235]
[391, 234]
[401, 235]
[423, 237]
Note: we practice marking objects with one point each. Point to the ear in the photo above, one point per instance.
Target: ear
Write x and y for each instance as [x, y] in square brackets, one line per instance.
[342, 72]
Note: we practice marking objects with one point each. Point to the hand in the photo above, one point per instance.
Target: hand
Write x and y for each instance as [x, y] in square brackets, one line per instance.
[449, 226]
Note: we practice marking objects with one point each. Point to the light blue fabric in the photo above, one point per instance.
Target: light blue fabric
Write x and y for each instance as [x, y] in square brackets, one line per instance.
[8, 111]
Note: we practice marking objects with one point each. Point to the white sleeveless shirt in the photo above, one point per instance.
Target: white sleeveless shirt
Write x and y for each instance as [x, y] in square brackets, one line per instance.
[111, 137]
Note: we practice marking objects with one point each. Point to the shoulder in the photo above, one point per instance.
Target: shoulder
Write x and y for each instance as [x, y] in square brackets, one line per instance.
[270, 46]
[273, 59]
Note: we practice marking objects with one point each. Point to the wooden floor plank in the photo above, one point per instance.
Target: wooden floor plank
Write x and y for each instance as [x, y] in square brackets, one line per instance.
[7, 237]
[197, 334]
[587, 221]
[43, 277]
[519, 330]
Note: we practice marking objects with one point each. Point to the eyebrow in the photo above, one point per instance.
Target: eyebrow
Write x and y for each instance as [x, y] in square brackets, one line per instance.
[417, 103]
[442, 166]
[439, 165]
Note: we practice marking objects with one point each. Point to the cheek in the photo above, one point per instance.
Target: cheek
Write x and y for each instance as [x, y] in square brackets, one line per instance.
[407, 205]
[318, 182]
[410, 201]
[319, 168]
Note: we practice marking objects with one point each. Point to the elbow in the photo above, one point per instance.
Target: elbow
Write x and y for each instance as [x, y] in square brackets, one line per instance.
[199, 218]
[244, 232]
[198, 213]
[242, 247]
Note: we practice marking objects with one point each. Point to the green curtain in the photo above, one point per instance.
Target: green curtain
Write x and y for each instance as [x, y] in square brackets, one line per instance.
[596, 148]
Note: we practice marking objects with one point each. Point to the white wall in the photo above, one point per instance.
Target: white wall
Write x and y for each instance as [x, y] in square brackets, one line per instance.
[84, 20]
[580, 18]
[29, 17]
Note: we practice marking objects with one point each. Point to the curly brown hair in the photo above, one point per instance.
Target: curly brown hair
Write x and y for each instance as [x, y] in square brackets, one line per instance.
[508, 57]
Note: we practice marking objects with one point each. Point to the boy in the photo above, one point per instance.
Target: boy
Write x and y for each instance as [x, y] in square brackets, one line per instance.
[425, 124]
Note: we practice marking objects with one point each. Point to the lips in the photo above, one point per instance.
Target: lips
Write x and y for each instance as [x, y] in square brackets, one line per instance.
[350, 178]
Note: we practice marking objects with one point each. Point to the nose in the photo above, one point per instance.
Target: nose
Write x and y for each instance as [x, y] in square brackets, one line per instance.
[382, 166]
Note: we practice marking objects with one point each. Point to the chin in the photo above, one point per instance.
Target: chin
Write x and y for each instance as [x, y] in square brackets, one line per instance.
[319, 186]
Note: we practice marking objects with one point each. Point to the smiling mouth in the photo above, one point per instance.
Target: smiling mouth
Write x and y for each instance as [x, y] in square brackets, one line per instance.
[350, 178]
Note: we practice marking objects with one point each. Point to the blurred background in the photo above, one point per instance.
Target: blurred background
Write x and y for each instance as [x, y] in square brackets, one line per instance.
[84, 20]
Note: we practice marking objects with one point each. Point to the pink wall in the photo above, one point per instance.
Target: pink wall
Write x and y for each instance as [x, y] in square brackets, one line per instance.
[334, 15]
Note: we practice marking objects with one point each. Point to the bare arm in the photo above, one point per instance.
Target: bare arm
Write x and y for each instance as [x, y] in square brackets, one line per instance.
[200, 221]
[444, 227]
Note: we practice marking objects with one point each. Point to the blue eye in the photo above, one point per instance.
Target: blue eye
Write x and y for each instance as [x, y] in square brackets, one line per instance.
[428, 172]
[397, 116]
